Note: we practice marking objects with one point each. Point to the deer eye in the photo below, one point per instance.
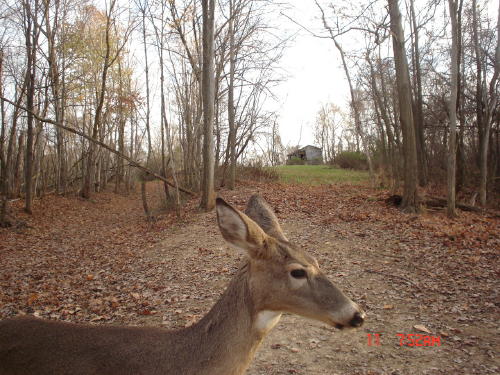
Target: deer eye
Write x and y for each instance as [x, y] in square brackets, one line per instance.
[298, 273]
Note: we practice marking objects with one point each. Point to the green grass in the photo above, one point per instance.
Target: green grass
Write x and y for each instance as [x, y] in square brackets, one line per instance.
[320, 175]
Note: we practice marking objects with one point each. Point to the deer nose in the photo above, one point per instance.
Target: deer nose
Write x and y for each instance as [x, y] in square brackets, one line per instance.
[357, 320]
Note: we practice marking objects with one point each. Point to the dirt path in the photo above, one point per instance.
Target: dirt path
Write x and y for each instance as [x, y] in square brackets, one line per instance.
[402, 269]
[394, 306]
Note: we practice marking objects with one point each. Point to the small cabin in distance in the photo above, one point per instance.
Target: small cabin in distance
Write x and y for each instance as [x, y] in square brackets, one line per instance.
[306, 155]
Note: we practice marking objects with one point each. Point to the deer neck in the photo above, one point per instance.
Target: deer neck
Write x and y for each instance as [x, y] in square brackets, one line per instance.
[228, 336]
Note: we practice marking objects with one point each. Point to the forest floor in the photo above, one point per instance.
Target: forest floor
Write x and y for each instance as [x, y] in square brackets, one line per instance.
[98, 261]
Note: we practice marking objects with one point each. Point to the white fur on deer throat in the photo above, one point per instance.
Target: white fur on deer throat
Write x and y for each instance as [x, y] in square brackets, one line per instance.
[266, 320]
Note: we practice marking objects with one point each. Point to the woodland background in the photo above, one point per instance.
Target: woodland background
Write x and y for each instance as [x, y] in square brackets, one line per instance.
[127, 83]
[119, 120]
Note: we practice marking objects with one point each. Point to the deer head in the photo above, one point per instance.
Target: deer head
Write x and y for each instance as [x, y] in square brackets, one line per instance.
[282, 277]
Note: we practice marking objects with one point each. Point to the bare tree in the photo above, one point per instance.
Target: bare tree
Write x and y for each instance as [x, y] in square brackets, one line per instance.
[328, 121]
[108, 60]
[418, 116]
[452, 109]
[488, 105]
[207, 187]
[230, 99]
[410, 196]
[354, 103]
[31, 32]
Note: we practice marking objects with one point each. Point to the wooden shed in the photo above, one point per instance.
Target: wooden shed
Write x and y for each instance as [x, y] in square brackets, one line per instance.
[308, 154]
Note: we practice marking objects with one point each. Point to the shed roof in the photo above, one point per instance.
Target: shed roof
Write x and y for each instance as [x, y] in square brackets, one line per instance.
[303, 148]
[316, 147]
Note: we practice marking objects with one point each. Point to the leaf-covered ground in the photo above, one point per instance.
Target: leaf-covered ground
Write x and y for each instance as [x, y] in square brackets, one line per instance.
[99, 261]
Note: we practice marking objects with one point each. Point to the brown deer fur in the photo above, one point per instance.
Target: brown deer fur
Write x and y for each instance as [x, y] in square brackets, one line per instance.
[223, 342]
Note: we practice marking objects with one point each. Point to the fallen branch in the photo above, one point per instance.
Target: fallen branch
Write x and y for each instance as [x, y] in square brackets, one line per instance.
[103, 145]
[434, 202]
[441, 202]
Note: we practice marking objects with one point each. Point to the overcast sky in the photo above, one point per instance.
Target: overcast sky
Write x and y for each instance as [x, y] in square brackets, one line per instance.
[311, 65]
[314, 75]
[315, 72]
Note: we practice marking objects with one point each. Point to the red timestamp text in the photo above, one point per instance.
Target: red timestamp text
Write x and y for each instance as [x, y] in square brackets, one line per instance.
[407, 339]
[416, 339]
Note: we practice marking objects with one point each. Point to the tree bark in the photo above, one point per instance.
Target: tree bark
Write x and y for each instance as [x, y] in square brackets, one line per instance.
[461, 84]
[16, 178]
[208, 87]
[490, 108]
[419, 116]
[230, 100]
[57, 94]
[3, 126]
[3, 170]
[383, 118]
[410, 196]
[90, 165]
[146, 69]
[452, 110]
[120, 165]
[31, 35]
[99, 143]
[8, 181]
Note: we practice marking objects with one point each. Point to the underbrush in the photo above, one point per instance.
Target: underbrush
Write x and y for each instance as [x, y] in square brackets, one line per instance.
[295, 161]
[351, 160]
[257, 173]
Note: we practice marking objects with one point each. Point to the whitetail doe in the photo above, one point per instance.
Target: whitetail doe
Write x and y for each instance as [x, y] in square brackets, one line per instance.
[277, 277]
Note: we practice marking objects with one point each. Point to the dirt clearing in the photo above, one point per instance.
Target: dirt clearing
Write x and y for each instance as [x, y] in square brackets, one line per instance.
[98, 261]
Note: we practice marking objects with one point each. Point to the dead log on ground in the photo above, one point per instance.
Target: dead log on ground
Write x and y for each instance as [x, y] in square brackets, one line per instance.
[436, 202]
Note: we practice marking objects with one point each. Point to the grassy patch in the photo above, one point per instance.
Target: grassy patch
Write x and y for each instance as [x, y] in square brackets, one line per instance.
[319, 175]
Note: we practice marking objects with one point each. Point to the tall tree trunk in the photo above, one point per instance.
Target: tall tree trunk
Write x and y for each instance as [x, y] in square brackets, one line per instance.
[3, 130]
[31, 35]
[490, 108]
[90, 165]
[383, 119]
[393, 144]
[120, 165]
[171, 161]
[354, 105]
[57, 94]
[479, 90]
[452, 110]
[132, 147]
[3, 162]
[16, 178]
[163, 111]
[146, 69]
[418, 116]
[461, 83]
[410, 196]
[230, 100]
[208, 88]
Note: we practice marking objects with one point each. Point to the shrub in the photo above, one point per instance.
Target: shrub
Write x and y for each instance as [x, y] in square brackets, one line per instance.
[351, 160]
[295, 161]
[316, 161]
[257, 172]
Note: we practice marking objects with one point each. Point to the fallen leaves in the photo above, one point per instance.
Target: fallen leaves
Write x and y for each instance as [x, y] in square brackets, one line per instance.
[100, 262]
[32, 298]
[80, 260]
[421, 328]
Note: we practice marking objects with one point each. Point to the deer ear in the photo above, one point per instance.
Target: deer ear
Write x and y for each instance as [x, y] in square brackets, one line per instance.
[241, 231]
[263, 214]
